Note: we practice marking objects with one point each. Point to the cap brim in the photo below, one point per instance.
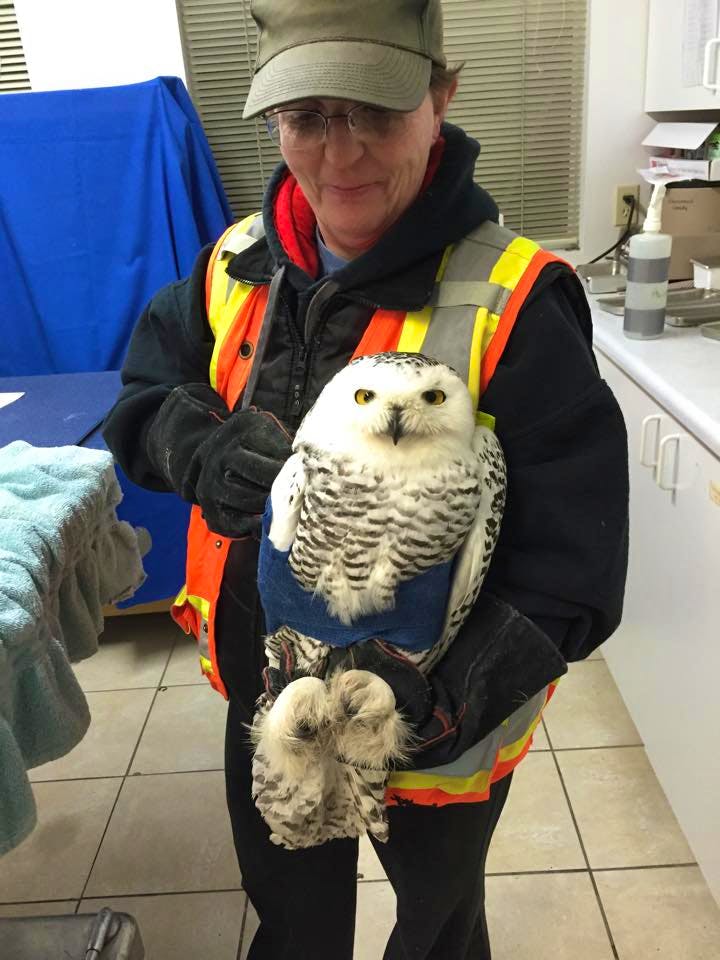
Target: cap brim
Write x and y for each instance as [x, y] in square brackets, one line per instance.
[372, 73]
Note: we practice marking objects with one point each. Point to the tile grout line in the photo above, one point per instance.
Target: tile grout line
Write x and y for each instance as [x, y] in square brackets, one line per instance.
[242, 927]
[125, 776]
[582, 848]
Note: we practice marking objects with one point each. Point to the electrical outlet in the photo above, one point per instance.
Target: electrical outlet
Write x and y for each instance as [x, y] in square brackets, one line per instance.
[622, 209]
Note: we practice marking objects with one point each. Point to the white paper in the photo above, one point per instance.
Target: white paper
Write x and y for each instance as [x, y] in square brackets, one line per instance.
[663, 175]
[700, 24]
[8, 398]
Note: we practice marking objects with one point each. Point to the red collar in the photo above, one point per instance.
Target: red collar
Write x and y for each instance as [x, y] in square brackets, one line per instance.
[295, 221]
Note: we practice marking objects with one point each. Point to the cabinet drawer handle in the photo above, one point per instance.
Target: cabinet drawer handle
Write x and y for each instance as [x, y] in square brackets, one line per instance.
[660, 468]
[654, 417]
[708, 65]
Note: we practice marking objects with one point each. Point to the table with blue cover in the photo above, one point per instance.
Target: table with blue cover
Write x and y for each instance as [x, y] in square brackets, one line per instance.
[106, 195]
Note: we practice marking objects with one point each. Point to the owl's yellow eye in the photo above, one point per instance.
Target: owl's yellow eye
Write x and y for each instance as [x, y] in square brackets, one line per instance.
[364, 396]
[435, 397]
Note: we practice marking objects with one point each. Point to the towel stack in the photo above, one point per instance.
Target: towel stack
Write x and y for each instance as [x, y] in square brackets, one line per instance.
[63, 554]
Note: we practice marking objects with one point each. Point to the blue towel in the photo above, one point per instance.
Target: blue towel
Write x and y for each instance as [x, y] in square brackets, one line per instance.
[414, 623]
[63, 554]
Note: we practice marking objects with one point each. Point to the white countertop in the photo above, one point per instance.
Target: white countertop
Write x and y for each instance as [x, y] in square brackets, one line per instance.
[681, 370]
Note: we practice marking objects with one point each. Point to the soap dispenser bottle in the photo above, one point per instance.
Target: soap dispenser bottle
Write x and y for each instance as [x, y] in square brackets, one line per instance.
[648, 272]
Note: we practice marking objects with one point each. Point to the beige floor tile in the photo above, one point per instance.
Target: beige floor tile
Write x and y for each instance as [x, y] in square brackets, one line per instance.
[54, 908]
[623, 815]
[184, 666]
[588, 711]
[535, 831]
[369, 867]
[133, 652]
[375, 920]
[54, 861]
[190, 926]
[540, 740]
[546, 917]
[663, 914]
[106, 749]
[185, 731]
[596, 654]
[169, 834]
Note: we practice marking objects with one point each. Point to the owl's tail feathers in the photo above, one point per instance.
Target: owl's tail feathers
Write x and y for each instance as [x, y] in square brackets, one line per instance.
[368, 730]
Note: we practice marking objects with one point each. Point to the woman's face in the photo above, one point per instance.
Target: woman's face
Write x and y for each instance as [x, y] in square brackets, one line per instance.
[356, 190]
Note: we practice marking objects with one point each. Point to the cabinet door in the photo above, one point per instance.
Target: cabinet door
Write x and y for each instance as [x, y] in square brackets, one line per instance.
[665, 657]
[666, 85]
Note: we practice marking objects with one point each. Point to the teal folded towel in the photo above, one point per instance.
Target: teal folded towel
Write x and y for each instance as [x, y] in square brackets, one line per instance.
[63, 555]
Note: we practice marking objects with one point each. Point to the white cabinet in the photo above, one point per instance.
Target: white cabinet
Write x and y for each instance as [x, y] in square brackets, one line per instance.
[665, 657]
[676, 33]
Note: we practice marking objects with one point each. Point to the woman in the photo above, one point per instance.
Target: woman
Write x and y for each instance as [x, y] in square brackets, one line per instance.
[373, 207]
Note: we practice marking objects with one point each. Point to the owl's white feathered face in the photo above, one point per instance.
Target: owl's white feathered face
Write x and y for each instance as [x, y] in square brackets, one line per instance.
[399, 404]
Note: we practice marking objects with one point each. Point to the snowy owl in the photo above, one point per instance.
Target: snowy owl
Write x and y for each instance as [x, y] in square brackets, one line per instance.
[380, 526]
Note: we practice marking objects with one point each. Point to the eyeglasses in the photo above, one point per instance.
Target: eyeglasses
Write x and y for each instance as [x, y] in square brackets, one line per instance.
[307, 129]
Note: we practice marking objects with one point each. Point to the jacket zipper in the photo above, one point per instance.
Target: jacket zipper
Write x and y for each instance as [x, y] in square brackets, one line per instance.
[313, 315]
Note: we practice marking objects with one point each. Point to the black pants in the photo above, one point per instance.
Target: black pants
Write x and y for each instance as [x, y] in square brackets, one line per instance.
[305, 899]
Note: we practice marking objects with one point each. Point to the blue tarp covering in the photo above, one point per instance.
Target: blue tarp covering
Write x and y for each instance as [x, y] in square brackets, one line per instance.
[106, 195]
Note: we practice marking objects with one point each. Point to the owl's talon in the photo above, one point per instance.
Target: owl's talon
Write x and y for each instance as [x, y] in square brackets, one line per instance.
[368, 729]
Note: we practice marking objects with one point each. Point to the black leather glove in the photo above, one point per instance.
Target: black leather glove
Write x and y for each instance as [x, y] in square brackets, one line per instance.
[225, 462]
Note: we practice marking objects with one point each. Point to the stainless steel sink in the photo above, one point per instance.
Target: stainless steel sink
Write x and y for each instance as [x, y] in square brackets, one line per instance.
[604, 277]
[685, 308]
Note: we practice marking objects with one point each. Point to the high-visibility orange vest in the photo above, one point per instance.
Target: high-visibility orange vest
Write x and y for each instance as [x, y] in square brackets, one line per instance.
[481, 285]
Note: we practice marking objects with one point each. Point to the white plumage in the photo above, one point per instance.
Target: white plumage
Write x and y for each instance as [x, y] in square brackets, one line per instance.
[389, 477]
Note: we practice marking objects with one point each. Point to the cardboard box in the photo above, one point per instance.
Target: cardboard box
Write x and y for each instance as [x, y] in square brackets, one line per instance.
[691, 215]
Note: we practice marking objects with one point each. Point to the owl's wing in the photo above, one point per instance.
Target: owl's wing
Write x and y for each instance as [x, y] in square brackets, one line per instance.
[474, 556]
[286, 497]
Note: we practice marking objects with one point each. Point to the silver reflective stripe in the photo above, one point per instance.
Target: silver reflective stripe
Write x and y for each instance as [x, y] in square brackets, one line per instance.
[648, 271]
[464, 288]
[203, 645]
[483, 755]
[459, 293]
[449, 336]
[236, 242]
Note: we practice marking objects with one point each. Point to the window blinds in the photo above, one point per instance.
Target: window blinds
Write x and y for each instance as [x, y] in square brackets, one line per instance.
[520, 94]
[13, 70]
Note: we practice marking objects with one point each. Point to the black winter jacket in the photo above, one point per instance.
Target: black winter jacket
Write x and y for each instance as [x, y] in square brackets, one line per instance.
[562, 554]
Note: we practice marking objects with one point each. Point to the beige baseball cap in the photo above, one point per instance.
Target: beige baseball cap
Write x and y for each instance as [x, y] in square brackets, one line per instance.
[375, 51]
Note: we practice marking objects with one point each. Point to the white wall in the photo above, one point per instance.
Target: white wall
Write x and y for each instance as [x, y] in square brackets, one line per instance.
[615, 122]
[97, 43]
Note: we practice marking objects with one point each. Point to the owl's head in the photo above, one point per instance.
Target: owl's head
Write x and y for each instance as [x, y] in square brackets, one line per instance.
[396, 402]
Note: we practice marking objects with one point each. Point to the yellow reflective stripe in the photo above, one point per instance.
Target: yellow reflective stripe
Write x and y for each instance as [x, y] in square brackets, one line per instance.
[202, 606]
[477, 783]
[205, 665]
[485, 420]
[513, 262]
[181, 597]
[413, 331]
[513, 750]
[415, 325]
[223, 311]
[476, 354]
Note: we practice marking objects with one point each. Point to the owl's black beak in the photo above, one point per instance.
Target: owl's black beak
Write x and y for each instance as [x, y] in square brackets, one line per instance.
[395, 427]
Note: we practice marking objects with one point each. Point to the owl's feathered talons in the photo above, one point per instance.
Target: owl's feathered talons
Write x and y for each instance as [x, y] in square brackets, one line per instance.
[295, 730]
[367, 728]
